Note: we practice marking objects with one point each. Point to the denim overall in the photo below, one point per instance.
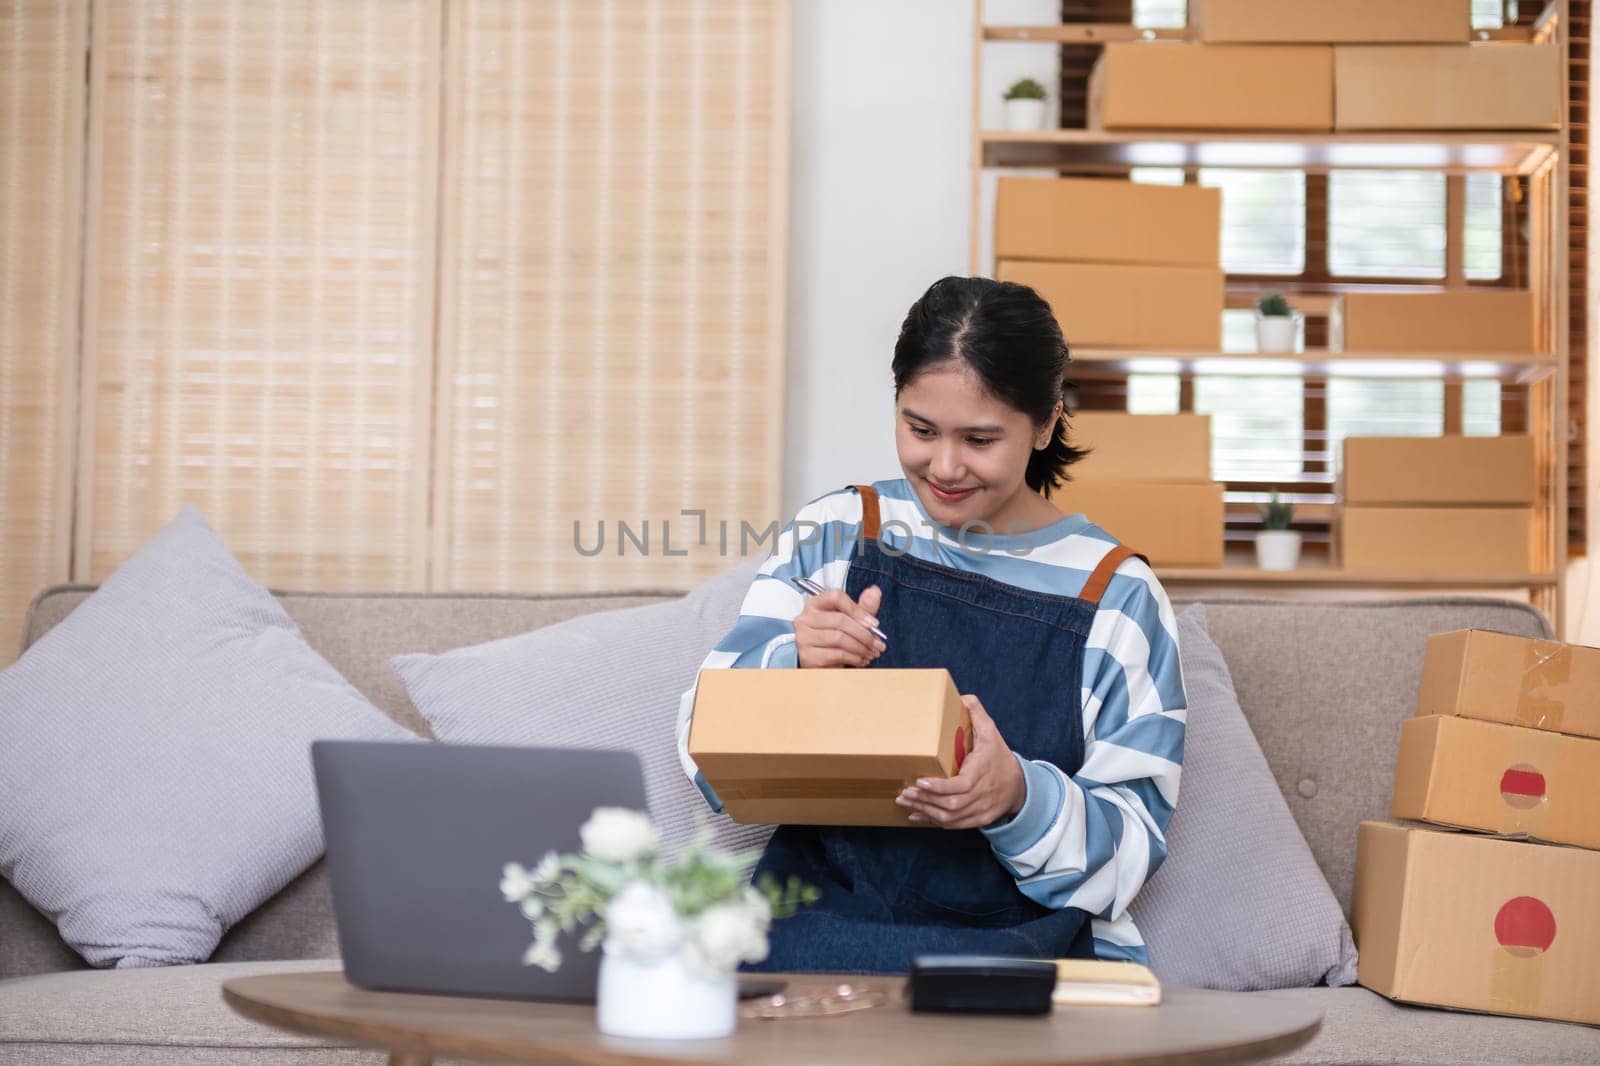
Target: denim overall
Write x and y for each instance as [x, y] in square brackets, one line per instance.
[889, 894]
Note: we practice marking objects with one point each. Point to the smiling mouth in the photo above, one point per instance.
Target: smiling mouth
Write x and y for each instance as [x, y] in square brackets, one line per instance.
[950, 494]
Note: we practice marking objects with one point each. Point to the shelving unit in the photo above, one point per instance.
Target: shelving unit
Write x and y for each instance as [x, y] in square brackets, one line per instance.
[1541, 158]
[1511, 369]
[1092, 151]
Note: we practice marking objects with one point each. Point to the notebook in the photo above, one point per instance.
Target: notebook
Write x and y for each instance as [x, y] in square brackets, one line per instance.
[1093, 982]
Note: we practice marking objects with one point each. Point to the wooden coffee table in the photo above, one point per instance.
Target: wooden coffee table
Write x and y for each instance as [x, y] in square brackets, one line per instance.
[1191, 1026]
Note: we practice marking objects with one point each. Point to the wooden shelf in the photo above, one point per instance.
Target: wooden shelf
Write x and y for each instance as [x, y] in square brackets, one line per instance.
[1114, 151]
[1314, 576]
[1101, 32]
[1082, 33]
[1510, 368]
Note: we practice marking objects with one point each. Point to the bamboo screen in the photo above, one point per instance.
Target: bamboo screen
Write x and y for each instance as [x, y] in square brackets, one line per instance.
[612, 288]
[258, 294]
[42, 64]
[393, 291]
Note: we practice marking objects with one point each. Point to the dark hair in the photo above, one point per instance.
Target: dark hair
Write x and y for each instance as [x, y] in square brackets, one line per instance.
[1006, 334]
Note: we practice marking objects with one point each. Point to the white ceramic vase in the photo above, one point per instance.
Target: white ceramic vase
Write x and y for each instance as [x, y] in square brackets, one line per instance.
[665, 1000]
[1024, 116]
[1277, 549]
[1276, 333]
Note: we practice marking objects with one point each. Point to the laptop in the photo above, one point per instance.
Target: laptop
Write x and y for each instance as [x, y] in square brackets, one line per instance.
[417, 836]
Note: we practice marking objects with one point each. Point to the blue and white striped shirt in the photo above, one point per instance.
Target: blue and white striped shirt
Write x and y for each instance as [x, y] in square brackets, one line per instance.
[1089, 840]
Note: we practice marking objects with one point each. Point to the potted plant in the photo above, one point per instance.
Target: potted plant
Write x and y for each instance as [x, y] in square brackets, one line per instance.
[1025, 106]
[673, 934]
[1277, 546]
[1276, 323]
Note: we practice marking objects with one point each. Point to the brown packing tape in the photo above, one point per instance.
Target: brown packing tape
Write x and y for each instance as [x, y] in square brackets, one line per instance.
[1523, 786]
[1516, 980]
[809, 788]
[1546, 669]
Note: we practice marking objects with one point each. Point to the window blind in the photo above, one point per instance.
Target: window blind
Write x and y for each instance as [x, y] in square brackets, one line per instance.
[612, 284]
[259, 284]
[42, 65]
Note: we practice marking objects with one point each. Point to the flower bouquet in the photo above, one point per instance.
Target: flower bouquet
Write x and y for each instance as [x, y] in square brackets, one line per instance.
[673, 933]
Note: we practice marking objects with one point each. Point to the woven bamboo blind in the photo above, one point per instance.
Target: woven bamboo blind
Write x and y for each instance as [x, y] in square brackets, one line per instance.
[610, 341]
[259, 283]
[42, 64]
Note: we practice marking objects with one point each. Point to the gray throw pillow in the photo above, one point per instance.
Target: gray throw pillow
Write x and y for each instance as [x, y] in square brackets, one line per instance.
[155, 777]
[606, 680]
[1240, 903]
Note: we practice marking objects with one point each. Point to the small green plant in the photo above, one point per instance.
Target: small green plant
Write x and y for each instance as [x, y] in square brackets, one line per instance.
[1274, 305]
[1026, 89]
[1276, 515]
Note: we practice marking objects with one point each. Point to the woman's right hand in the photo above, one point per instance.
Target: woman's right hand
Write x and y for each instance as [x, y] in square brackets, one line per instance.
[832, 629]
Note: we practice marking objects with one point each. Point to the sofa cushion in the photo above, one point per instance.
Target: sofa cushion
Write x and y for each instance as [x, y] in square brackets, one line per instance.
[173, 1014]
[357, 633]
[606, 680]
[156, 755]
[1239, 903]
[1326, 687]
[1359, 1026]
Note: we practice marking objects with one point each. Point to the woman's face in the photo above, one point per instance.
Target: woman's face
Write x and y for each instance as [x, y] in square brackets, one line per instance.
[964, 451]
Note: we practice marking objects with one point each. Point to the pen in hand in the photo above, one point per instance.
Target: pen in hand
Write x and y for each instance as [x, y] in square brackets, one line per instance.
[811, 588]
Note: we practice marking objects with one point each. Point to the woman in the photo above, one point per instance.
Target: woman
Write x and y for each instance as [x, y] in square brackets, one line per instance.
[1061, 641]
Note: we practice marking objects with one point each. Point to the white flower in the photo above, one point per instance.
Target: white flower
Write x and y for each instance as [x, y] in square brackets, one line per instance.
[726, 934]
[515, 882]
[543, 952]
[759, 906]
[616, 834]
[549, 868]
[532, 907]
[641, 923]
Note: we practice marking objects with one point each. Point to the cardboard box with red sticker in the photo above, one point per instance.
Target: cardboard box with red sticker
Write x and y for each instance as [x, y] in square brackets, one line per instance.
[1478, 923]
[1500, 779]
[825, 747]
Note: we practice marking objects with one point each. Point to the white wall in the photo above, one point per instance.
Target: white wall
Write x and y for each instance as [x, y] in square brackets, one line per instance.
[879, 168]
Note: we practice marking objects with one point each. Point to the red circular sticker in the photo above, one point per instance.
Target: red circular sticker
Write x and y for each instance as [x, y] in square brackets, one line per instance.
[1525, 927]
[1522, 787]
[961, 747]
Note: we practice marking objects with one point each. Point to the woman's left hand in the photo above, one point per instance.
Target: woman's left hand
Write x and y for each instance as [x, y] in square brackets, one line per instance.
[989, 787]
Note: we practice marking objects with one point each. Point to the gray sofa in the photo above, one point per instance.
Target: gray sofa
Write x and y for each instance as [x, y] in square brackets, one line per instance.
[1324, 685]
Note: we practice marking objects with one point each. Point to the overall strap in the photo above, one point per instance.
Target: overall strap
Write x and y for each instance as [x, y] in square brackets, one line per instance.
[869, 512]
[1101, 578]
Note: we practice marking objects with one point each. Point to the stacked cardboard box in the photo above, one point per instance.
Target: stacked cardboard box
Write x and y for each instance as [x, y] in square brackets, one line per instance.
[1459, 505]
[1328, 64]
[1448, 87]
[1484, 320]
[1506, 741]
[1147, 482]
[1123, 265]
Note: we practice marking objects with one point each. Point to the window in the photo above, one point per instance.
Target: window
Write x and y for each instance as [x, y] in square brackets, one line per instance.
[1482, 231]
[1160, 14]
[1257, 426]
[1263, 220]
[1152, 394]
[1391, 224]
[1480, 408]
[1386, 224]
[1369, 407]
